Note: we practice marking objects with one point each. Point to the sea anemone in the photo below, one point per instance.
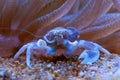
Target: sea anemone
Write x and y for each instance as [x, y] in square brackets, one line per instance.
[22, 21]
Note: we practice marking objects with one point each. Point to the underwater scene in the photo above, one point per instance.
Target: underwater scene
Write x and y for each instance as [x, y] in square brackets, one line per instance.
[59, 39]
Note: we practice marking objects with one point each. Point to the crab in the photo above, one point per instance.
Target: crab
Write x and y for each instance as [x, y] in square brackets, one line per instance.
[66, 37]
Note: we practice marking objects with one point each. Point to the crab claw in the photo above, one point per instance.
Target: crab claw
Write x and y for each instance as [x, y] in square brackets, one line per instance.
[70, 46]
[89, 56]
[50, 50]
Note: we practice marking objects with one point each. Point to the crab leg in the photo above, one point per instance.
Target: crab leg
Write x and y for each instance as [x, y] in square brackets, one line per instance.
[28, 55]
[91, 45]
[21, 50]
[102, 49]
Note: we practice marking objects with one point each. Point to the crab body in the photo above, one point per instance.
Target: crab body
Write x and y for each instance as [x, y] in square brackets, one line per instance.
[67, 38]
[59, 33]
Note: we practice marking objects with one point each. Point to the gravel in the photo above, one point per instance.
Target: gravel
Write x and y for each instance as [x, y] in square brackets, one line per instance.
[106, 68]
